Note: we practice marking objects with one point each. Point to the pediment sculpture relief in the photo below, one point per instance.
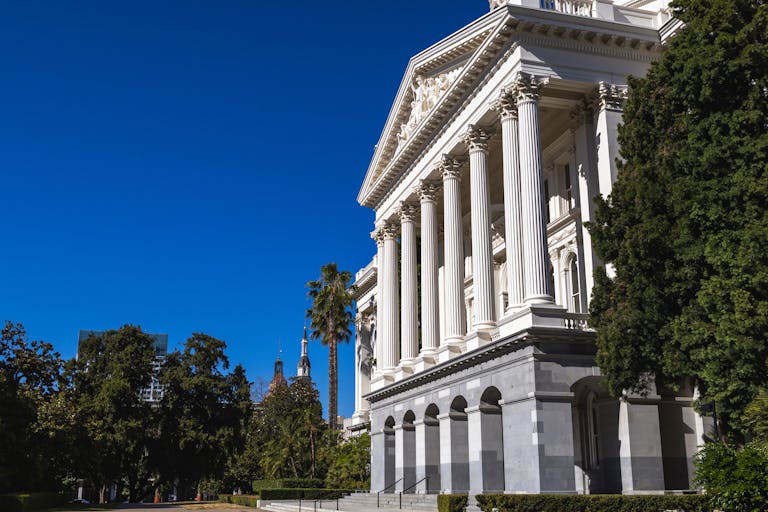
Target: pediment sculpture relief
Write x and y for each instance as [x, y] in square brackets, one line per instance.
[425, 93]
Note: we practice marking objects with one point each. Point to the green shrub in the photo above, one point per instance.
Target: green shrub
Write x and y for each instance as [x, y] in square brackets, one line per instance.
[289, 483]
[592, 503]
[303, 494]
[25, 502]
[736, 480]
[244, 500]
[451, 502]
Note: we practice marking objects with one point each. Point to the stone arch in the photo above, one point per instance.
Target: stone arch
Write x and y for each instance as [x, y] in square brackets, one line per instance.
[492, 440]
[407, 451]
[389, 453]
[432, 449]
[455, 474]
[595, 437]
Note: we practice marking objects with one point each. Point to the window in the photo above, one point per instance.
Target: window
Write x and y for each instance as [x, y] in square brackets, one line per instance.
[575, 290]
[546, 201]
[568, 190]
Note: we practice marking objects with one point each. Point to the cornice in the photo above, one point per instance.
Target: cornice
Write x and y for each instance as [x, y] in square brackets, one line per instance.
[365, 282]
[489, 352]
[513, 25]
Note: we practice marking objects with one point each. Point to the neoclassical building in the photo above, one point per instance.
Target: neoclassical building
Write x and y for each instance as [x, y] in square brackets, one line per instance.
[475, 366]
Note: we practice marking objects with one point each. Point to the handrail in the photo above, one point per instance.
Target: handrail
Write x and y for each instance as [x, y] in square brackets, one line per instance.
[384, 489]
[411, 487]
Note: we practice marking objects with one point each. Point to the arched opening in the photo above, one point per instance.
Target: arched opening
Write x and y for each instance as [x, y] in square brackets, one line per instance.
[459, 439]
[409, 452]
[596, 438]
[389, 453]
[492, 441]
[432, 449]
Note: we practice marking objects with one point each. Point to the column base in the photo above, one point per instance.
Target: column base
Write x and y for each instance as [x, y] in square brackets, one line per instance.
[382, 379]
[480, 338]
[539, 300]
[404, 369]
[427, 359]
[450, 350]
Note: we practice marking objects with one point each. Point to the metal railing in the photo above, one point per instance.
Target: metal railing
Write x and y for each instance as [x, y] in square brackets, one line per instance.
[411, 487]
[386, 489]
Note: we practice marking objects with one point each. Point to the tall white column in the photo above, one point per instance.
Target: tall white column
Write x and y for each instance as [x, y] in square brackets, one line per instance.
[507, 108]
[390, 304]
[455, 321]
[430, 321]
[532, 187]
[476, 140]
[410, 299]
[378, 354]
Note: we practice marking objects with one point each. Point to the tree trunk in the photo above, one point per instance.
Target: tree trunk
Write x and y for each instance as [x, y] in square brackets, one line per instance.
[332, 383]
[103, 494]
[199, 495]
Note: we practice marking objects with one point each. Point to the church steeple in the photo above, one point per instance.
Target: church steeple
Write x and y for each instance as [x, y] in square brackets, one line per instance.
[278, 379]
[302, 369]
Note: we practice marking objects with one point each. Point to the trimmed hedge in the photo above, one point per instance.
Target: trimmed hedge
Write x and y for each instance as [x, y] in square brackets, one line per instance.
[241, 499]
[24, 502]
[289, 483]
[593, 503]
[451, 502]
[303, 494]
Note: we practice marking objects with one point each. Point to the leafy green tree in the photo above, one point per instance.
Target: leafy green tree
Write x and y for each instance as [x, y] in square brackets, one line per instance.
[115, 423]
[203, 413]
[735, 478]
[331, 316]
[30, 374]
[350, 466]
[286, 432]
[686, 225]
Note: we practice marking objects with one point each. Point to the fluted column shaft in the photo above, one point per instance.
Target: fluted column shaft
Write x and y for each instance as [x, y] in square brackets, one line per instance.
[507, 107]
[391, 320]
[455, 321]
[378, 236]
[409, 301]
[476, 140]
[532, 187]
[430, 315]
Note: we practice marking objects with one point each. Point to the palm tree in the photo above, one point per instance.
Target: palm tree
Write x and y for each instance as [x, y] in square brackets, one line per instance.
[330, 319]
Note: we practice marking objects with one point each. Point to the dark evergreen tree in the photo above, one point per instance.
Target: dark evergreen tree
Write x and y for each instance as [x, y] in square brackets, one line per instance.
[686, 225]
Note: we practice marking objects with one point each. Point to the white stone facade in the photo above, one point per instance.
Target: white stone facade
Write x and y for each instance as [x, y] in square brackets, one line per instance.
[475, 367]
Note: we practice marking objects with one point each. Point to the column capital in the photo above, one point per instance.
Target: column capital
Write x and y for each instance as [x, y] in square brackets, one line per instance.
[582, 113]
[378, 235]
[506, 104]
[611, 96]
[528, 86]
[408, 212]
[428, 190]
[449, 167]
[476, 138]
[390, 230]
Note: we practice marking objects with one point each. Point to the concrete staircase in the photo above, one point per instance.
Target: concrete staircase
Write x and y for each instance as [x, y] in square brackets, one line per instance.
[358, 502]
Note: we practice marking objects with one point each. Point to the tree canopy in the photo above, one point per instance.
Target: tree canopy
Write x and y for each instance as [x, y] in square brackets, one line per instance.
[686, 224]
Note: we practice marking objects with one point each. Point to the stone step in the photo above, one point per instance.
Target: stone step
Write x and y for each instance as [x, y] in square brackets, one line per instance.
[358, 503]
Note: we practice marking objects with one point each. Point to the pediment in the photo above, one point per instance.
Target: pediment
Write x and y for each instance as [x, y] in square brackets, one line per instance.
[431, 78]
[439, 80]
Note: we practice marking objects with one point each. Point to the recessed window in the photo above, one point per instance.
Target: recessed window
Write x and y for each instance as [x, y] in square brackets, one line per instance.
[575, 290]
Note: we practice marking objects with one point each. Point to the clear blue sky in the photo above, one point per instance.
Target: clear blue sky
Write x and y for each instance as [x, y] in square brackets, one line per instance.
[189, 165]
